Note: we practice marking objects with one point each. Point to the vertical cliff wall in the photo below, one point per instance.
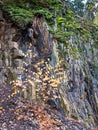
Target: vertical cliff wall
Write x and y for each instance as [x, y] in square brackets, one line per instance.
[79, 88]
[21, 50]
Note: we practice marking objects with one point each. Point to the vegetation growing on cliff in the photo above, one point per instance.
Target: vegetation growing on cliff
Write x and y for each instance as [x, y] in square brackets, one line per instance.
[68, 76]
[23, 12]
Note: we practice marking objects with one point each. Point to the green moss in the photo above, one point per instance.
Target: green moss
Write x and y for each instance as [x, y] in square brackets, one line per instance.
[74, 116]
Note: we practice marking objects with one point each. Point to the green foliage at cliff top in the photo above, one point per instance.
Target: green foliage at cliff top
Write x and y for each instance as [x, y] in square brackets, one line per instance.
[23, 12]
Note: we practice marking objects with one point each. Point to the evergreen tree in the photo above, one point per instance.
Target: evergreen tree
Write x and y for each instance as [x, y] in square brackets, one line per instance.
[78, 7]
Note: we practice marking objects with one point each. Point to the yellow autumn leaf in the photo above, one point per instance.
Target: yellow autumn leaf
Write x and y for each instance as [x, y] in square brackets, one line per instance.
[1, 107]
[38, 81]
[42, 62]
[48, 59]
[53, 85]
[55, 81]
[44, 84]
[57, 66]
[46, 78]
[30, 44]
[50, 68]
[60, 73]
[15, 91]
[39, 73]
[17, 110]
[24, 89]
[37, 64]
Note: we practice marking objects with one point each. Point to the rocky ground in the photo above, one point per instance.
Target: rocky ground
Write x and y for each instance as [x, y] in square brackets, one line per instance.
[18, 114]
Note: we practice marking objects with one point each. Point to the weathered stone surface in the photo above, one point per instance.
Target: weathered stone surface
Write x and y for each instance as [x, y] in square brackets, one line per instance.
[13, 44]
[79, 91]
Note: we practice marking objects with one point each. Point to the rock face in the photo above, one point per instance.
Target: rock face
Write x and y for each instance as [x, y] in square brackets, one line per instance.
[79, 90]
[35, 41]
[20, 51]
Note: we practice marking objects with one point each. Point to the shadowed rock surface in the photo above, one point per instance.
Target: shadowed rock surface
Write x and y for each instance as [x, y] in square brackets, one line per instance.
[19, 61]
